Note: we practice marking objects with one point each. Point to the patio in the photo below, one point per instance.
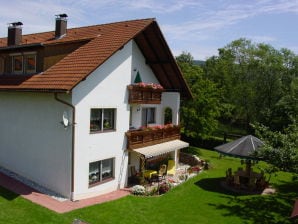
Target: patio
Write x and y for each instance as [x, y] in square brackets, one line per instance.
[244, 178]
[155, 183]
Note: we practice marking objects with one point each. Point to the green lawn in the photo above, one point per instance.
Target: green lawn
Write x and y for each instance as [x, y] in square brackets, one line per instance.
[199, 200]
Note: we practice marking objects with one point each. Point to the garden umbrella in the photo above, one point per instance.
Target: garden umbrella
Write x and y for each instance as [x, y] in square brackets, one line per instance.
[243, 147]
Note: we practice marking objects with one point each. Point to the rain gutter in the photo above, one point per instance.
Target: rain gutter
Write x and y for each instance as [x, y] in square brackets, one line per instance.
[72, 141]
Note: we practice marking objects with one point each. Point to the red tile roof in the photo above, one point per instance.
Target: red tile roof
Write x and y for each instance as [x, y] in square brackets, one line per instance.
[102, 41]
[105, 40]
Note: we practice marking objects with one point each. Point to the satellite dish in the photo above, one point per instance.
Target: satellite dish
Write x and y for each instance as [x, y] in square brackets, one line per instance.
[65, 119]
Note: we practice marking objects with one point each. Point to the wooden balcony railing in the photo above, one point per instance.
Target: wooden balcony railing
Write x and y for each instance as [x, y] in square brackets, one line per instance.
[141, 138]
[144, 95]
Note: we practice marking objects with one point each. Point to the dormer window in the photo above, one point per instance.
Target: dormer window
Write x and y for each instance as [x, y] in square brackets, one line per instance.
[24, 63]
[17, 64]
[30, 63]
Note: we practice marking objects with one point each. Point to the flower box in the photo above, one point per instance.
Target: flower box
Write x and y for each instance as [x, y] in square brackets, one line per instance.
[145, 93]
[146, 136]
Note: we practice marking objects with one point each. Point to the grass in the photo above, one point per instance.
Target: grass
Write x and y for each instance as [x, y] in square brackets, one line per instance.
[199, 200]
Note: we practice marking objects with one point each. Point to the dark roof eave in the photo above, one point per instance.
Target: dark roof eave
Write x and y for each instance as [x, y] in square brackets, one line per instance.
[68, 41]
[182, 87]
[35, 90]
[21, 46]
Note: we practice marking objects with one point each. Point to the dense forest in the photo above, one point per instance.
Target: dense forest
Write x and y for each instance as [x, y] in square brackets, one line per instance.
[249, 87]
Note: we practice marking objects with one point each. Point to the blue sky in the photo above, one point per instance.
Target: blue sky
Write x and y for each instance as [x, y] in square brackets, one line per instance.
[196, 26]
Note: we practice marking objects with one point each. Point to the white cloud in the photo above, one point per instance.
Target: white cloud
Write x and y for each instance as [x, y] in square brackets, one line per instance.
[37, 16]
[226, 15]
[261, 39]
[157, 6]
[186, 24]
[199, 52]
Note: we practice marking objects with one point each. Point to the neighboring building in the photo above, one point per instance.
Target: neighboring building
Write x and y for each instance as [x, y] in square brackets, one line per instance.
[294, 214]
[69, 105]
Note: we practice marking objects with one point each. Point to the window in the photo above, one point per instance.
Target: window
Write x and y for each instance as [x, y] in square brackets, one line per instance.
[24, 63]
[30, 63]
[1, 66]
[102, 120]
[101, 171]
[148, 115]
[17, 64]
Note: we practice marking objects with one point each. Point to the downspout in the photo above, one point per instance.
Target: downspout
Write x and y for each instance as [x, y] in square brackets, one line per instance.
[72, 141]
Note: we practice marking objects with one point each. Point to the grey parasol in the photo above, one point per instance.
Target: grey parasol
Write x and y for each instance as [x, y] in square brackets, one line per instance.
[243, 147]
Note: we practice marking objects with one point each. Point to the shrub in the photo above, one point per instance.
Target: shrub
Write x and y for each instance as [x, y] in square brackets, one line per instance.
[138, 190]
[207, 143]
[164, 187]
[152, 191]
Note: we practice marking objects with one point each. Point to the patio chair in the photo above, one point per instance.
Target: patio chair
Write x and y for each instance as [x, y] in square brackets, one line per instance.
[237, 181]
[134, 175]
[133, 171]
[252, 183]
[229, 177]
[162, 171]
[171, 170]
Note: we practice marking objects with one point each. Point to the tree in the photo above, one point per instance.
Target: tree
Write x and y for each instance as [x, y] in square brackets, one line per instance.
[254, 79]
[185, 57]
[281, 148]
[199, 115]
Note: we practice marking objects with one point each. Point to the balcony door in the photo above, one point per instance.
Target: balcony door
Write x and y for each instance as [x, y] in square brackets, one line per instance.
[148, 116]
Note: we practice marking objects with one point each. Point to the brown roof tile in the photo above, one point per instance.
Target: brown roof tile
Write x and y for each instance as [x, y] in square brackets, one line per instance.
[101, 42]
[105, 40]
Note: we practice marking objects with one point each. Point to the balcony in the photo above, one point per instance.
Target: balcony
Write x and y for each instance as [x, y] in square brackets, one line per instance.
[151, 136]
[142, 93]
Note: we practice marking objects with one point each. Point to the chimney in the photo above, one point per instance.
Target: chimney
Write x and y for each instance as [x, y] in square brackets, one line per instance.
[61, 25]
[14, 33]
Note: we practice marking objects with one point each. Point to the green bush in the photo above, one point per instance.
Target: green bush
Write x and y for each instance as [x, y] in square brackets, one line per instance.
[164, 187]
[208, 143]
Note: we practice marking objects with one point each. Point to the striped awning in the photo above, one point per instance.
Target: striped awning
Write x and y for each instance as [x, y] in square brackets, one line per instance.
[162, 148]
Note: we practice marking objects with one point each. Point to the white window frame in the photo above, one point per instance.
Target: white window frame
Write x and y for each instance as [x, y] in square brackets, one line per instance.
[26, 70]
[24, 55]
[104, 127]
[97, 175]
[14, 71]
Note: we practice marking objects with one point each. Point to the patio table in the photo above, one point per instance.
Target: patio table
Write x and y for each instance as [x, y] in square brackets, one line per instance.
[246, 178]
[148, 173]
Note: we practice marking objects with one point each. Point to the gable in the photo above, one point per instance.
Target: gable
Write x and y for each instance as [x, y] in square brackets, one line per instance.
[139, 66]
[102, 42]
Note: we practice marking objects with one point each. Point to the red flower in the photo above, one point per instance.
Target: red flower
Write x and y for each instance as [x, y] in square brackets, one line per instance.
[149, 85]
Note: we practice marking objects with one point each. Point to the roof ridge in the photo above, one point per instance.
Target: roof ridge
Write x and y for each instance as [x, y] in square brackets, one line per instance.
[88, 26]
[111, 23]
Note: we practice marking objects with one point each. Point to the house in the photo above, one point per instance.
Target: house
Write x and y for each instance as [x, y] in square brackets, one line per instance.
[72, 102]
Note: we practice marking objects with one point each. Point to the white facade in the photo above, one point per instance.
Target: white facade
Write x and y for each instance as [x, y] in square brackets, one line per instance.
[35, 144]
